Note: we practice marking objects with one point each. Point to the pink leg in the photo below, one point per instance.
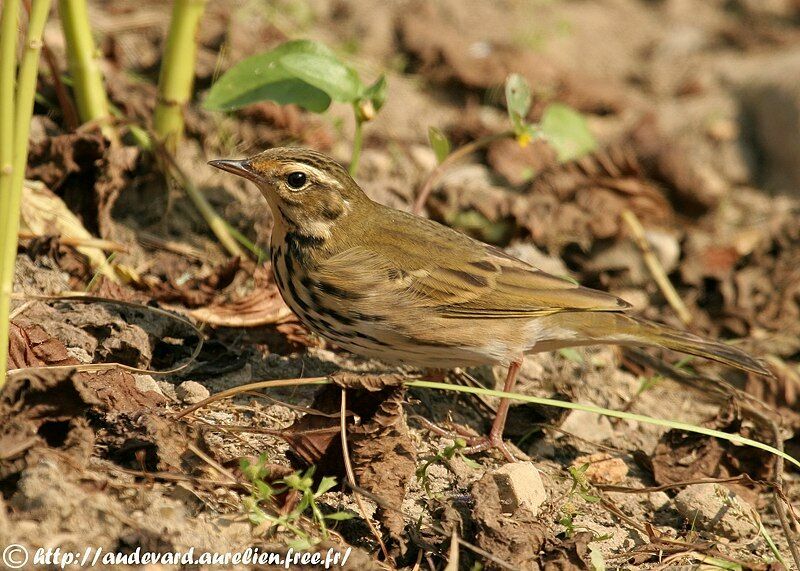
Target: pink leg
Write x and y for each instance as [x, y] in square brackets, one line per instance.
[499, 424]
[495, 439]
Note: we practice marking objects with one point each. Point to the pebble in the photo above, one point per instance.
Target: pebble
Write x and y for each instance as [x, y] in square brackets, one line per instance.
[167, 389]
[145, 383]
[657, 500]
[191, 392]
[716, 509]
[588, 426]
[603, 468]
[520, 486]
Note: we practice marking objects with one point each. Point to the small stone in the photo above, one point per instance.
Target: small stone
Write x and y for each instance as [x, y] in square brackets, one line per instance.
[588, 426]
[603, 468]
[167, 389]
[716, 509]
[80, 354]
[145, 383]
[520, 486]
[191, 392]
[657, 500]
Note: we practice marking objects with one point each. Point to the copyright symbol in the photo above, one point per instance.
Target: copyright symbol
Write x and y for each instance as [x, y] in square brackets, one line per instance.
[15, 556]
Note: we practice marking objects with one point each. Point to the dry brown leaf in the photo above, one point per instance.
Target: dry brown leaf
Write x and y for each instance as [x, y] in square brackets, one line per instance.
[54, 158]
[683, 456]
[195, 292]
[371, 383]
[31, 346]
[44, 213]
[264, 306]
[384, 460]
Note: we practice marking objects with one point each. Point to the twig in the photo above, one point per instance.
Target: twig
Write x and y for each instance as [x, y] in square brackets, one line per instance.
[251, 387]
[655, 267]
[453, 555]
[152, 241]
[68, 111]
[98, 243]
[176, 477]
[20, 310]
[351, 479]
[742, 479]
[780, 510]
[217, 224]
[213, 463]
[436, 174]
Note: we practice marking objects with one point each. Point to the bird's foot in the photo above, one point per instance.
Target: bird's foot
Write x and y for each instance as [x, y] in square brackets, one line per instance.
[485, 443]
[475, 444]
[455, 431]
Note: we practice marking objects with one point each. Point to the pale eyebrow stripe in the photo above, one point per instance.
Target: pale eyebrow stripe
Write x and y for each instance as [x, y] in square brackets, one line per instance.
[319, 174]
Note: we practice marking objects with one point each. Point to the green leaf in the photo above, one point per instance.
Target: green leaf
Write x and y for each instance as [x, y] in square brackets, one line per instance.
[589, 498]
[300, 544]
[326, 72]
[325, 484]
[596, 559]
[518, 101]
[263, 77]
[377, 93]
[567, 131]
[264, 490]
[439, 143]
[339, 516]
[470, 462]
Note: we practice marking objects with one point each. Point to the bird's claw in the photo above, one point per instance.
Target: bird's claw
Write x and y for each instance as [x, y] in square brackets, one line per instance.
[485, 443]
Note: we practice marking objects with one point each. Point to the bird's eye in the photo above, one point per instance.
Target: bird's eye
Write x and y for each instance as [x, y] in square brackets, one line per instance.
[296, 179]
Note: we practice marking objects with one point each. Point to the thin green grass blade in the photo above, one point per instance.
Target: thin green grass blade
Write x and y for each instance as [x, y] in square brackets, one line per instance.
[735, 438]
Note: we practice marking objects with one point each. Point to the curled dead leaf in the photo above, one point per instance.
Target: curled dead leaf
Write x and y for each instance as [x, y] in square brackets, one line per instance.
[369, 382]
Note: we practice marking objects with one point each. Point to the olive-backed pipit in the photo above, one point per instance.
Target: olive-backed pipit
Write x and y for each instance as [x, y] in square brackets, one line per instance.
[389, 285]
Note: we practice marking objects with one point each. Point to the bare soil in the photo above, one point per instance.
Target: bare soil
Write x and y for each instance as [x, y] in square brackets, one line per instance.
[694, 104]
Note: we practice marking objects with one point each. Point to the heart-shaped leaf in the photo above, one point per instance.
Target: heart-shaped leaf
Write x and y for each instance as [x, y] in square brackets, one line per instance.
[377, 93]
[567, 131]
[439, 143]
[325, 72]
[518, 101]
[339, 516]
[264, 77]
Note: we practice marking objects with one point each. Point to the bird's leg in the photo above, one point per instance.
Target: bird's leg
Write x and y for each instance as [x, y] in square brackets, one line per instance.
[495, 439]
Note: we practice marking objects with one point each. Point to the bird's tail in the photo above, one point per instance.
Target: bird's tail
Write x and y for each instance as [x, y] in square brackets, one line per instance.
[618, 328]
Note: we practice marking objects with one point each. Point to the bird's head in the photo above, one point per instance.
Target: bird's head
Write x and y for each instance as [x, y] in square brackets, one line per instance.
[307, 191]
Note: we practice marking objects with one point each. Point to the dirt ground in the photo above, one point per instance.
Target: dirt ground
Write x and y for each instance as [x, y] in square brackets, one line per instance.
[695, 107]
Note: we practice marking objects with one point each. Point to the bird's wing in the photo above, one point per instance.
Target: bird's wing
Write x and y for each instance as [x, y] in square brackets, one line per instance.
[464, 279]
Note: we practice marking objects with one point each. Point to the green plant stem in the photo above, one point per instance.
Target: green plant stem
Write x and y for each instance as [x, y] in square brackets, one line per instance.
[84, 66]
[177, 71]
[735, 438]
[460, 153]
[8, 235]
[358, 140]
[217, 223]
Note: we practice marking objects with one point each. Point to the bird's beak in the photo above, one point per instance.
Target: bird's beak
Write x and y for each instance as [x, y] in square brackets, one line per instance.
[241, 167]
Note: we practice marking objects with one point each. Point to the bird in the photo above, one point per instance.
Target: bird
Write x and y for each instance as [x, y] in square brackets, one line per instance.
[386, 284]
